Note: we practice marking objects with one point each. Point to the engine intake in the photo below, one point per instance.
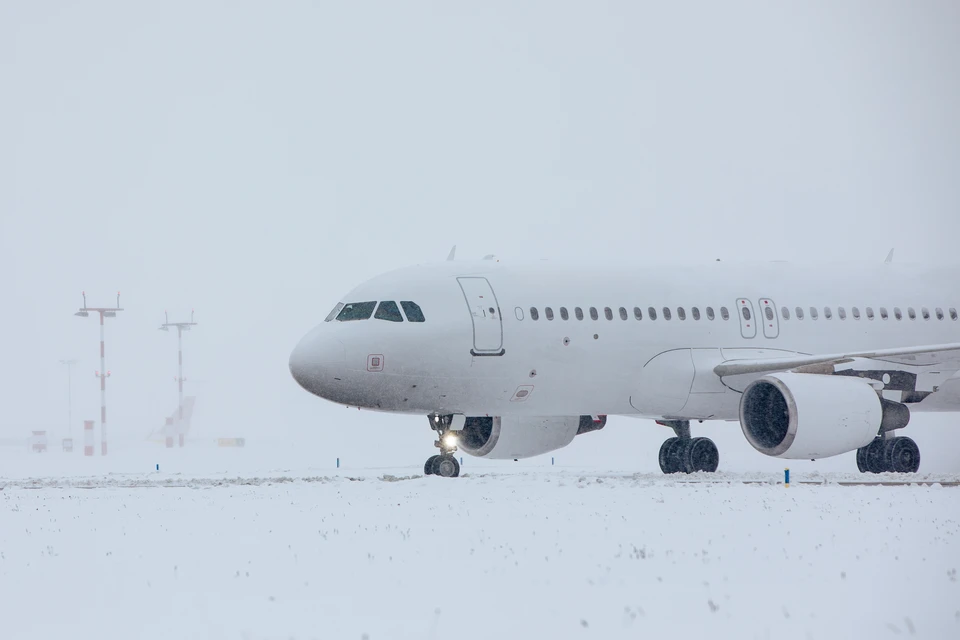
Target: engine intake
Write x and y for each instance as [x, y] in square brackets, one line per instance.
[807, 416]
[514, 437]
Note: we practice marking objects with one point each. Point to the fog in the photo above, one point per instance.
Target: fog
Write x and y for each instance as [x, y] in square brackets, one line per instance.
[255, 161]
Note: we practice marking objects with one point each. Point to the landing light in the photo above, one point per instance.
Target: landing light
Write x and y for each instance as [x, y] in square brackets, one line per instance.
[450, 439]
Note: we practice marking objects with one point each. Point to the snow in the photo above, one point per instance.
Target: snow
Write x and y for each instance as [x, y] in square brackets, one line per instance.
[504, 552]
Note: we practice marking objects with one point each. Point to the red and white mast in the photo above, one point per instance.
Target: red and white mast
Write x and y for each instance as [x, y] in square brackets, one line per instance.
[103, 374]
[181, 327]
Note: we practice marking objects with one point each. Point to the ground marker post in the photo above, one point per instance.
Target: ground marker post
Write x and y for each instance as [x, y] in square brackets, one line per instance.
[786, 477]
[338, 463]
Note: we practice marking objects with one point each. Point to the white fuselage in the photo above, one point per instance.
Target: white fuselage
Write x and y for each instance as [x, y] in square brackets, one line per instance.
[480, 352]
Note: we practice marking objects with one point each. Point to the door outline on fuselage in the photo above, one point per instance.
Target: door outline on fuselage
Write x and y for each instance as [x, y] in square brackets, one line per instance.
[480, 298]
[748, 326]
[771, 324]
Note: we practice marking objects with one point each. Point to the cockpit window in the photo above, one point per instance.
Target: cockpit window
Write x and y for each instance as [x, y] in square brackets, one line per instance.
[388, 310]
[356, 311]
[333, 314]
[412, 309]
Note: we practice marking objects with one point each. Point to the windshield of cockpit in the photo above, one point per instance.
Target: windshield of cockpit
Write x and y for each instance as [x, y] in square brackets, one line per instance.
[386, 310]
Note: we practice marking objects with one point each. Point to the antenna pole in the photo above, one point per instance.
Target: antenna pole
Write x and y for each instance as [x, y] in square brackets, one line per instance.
[181, 327]
[103, 374]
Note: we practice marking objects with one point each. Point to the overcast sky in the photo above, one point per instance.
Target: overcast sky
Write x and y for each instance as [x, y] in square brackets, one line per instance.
[256, 160]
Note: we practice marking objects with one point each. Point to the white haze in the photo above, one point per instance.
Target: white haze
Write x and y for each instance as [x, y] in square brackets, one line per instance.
[255, 161]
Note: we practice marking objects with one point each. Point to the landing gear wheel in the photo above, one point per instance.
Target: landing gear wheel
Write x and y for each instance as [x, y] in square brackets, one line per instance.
[862, 459]
[671, 455]
[446, 466]
[873, 456]
[901, 455]
[428, 465]
[701, 455]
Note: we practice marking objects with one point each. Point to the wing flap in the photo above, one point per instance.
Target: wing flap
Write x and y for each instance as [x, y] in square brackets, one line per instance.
[916, 356]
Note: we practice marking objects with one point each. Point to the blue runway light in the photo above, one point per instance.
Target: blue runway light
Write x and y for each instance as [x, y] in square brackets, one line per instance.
[338, 463]
[786, 477]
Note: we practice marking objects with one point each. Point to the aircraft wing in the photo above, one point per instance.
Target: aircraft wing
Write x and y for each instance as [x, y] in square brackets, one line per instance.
[926, 355]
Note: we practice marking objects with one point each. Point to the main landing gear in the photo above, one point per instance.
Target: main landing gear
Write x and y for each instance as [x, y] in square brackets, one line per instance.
[897, 455]
[444, 465]
[686, 454]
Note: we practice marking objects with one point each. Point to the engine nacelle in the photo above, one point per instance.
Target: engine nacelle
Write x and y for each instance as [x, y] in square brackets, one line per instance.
[514, 437]
[806, 416]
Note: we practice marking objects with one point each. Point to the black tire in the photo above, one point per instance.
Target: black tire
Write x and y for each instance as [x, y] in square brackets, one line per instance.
[669, 462]
[446, 467]
[902, 455]
[701, 455]
[428, 465]
[862, 459]
[873, 456]
[672, 456]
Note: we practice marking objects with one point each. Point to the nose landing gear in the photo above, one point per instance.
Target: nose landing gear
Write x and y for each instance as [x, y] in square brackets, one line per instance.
[444, 465]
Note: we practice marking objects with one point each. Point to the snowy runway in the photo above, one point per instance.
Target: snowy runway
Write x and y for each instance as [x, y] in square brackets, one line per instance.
[552, 554]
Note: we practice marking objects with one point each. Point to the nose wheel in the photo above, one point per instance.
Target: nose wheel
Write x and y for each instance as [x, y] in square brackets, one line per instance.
[444, 464]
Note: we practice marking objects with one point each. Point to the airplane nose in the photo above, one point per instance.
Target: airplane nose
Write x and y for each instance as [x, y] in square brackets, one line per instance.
[316, 360]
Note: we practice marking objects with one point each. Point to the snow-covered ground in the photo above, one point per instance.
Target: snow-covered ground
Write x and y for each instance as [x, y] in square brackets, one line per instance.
[504, 552]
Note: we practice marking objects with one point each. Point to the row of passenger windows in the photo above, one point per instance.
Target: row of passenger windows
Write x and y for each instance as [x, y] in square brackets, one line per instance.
[725, 313]
[386, 310]
[855, 311]
[624, 314]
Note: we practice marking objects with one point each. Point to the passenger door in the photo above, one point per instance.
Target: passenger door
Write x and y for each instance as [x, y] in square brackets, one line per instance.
[748, 323]
[771, 323]
[485, 314]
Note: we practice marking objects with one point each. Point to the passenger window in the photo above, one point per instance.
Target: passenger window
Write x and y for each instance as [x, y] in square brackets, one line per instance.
[799, 311]
[623, 313]
[548, 311]
[883, 313]
[767, 311]
[939, 313]
[813, 313]
[827, 313]
[593, 314]
[637, 313]
[746, 313]
[413, 311]
[356, 311]
[519, 313]
[869, 313]
[842, 312]
[681, 313]
[534, 314]
[608, 313]
[563, 314]
[710, 315]
[897, 313]
[696, 313]
[666, 313]
[911, 313]
[785, 313]
[926, 313]
[953, 314]
[579, 313]
[856, 313]
[651, 313]
[724, 313]
[388, 310]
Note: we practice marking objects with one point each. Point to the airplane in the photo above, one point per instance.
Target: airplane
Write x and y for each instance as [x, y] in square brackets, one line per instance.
[511, 361]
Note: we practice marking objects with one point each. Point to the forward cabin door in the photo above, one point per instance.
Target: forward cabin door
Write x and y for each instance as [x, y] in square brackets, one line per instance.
[485, 314]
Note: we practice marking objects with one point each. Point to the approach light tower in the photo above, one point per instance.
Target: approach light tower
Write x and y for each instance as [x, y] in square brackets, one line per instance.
[69, 364]
[103, 374]
[181, 327]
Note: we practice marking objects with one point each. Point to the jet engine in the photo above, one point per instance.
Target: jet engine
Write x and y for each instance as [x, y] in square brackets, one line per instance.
[806, 416]
[513, 437]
